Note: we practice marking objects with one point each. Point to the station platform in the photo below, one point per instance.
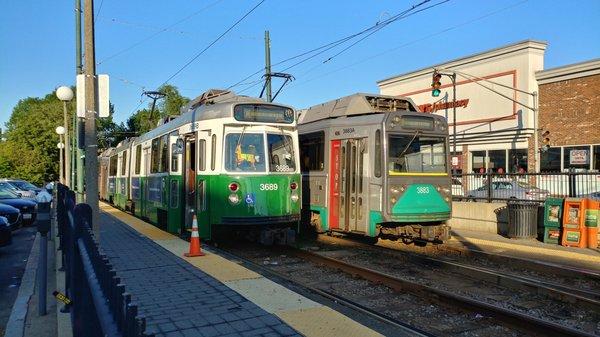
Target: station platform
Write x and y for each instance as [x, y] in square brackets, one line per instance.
[208, 295]
[530, 249]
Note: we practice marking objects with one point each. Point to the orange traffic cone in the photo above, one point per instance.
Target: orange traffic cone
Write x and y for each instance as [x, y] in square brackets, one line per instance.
[195, 249]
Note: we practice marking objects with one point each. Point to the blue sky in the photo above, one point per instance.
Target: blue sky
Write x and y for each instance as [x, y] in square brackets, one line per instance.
[37, 48]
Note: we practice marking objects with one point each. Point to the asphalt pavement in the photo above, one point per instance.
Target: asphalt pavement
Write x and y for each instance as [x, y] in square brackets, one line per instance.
[13, 259]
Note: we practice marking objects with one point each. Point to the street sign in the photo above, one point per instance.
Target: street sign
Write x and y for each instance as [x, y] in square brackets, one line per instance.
[103, 95]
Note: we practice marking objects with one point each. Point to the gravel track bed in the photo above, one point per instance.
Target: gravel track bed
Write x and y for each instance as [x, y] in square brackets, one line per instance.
[512, 269]
[436, 319]
[400, 265]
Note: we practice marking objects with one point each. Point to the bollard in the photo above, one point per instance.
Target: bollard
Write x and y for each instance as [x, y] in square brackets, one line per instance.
[43, 227]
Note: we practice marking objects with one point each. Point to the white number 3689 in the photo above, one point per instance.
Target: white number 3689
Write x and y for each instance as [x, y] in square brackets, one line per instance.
[269, 187]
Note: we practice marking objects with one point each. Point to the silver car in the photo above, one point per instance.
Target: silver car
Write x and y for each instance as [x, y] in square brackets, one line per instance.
[509, 189]
[20, 190]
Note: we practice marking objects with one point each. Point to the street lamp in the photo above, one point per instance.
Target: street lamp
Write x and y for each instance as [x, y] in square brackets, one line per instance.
[65, 94]
[60, 147]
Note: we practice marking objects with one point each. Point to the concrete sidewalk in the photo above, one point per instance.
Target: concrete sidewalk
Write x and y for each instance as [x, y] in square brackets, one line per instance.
[527, 248]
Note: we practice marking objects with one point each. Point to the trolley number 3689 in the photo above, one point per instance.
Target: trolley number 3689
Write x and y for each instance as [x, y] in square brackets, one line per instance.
[269, 187]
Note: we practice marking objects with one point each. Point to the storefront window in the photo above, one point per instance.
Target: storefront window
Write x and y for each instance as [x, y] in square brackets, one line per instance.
[478, 161]
[577, 157]
[596, 161]
[550, 160]
[497, 161]
[517, 161]
[456, 162]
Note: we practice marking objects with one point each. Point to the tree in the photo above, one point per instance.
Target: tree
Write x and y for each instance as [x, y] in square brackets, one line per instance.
[29, 151]
[143, 120]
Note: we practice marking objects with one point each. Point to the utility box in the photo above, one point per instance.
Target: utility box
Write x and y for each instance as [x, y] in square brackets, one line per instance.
[592, 213]
[574, 233]
[553, 213]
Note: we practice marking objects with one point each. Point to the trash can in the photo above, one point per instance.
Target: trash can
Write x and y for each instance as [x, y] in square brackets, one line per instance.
[522, 219]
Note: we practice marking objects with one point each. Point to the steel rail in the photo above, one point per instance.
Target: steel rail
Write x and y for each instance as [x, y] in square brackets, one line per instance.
[392, 322]
[579, 297]
[511, 317]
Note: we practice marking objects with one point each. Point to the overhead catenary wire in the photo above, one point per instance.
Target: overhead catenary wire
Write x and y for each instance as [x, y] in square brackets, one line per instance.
[331, 45]
[150, 37]
[213, 42]
[445, 30]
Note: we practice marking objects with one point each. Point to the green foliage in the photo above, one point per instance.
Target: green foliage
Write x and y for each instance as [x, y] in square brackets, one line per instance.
[143, 121]
[29, 151]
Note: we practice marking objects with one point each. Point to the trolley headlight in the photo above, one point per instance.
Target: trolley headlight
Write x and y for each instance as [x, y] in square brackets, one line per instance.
[295, 197]
[234, 199]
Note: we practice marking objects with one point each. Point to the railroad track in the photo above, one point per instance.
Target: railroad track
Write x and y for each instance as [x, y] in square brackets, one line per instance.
[522, 321]
[401, 328]
[579, 297]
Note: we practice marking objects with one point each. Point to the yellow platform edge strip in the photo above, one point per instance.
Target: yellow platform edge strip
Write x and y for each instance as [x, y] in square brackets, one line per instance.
[317, 322]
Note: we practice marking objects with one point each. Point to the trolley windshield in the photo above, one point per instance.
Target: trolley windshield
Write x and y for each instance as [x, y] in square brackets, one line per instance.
[415, 153]
[245, 152]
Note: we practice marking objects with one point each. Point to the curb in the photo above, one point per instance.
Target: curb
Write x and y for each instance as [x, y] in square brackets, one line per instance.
[16, 321]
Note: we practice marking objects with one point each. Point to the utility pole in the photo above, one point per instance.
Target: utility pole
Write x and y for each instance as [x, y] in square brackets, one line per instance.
[91, 141]
[79, 124]
[453, 77]
[268, 66]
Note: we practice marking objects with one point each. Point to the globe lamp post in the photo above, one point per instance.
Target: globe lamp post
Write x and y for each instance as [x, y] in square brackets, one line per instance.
[65, 94]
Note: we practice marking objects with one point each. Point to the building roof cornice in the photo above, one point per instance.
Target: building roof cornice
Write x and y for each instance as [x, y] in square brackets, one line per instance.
[568, 72]
[511, 48]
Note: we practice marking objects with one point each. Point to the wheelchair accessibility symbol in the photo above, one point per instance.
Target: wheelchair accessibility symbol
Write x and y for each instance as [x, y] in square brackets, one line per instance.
[250, 198]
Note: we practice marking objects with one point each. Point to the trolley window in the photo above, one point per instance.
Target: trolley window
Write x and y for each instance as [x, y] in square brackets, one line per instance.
[213, 152]
[281, 153]
[414, 153]
[312, 149]
[378, 153]
[155, 156]
[138, 158]
[124, 163]
[112, 168]
[245, 152]
[202, 154]
[164, 153]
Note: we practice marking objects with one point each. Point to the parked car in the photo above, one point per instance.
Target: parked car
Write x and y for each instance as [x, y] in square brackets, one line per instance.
[13, 215]
[23, 185]
[28, 208]
[5, 232]
[510, 189]
[23, 193]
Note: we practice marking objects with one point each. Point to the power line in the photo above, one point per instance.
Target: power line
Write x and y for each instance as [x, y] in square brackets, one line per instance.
[410, 43]
[214, 41]
[328, 46]
[122, 51]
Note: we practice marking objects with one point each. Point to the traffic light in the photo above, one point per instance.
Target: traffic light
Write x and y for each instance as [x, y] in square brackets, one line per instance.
[545, 141]
[436, 84]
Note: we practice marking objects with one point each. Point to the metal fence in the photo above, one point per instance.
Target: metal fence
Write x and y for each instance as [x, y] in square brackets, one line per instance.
[100, 305]
[527, 186]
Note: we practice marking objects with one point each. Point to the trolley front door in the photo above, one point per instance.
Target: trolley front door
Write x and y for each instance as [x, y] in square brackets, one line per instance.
[189, 183]
[353, 199]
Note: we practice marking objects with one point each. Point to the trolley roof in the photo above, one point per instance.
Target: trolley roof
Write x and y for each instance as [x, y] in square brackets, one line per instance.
[357, 104]
[212, 104]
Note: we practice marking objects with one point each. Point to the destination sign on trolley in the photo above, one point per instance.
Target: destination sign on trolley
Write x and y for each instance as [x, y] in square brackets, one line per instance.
[417, 122]
[263, 113]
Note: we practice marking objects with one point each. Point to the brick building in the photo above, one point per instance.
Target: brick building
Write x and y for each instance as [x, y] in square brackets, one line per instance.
[570, 112]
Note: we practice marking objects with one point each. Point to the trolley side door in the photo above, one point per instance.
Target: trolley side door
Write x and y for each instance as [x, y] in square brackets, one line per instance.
[335, 184]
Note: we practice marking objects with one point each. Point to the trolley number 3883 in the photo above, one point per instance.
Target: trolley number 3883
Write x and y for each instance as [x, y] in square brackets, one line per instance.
[269, 187]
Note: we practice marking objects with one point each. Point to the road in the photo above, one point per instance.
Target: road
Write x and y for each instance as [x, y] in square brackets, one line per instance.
[13, 259]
